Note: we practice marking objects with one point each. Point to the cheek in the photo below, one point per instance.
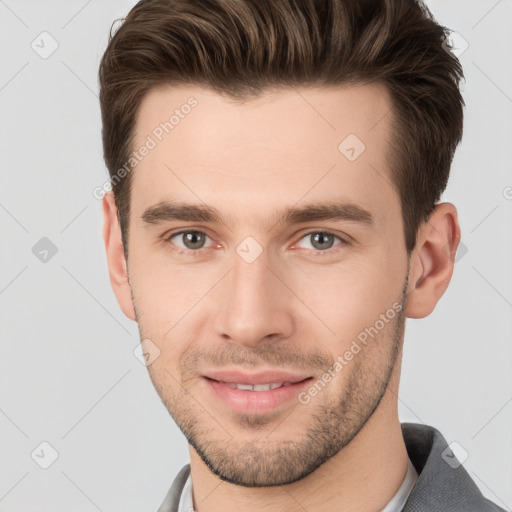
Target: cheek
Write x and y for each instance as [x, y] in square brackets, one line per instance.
[349, 297]
[164, 293]
[165, 379]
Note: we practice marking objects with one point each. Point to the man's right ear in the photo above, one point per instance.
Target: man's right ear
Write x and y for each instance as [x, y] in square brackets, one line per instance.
[117, 267]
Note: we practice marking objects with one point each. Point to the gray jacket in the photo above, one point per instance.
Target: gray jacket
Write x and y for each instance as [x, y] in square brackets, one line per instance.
[443, 484]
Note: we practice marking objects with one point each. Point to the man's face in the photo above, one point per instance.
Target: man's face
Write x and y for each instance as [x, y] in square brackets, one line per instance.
[255, 298]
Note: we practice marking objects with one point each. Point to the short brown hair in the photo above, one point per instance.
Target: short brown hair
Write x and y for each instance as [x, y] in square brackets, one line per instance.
[241, 48]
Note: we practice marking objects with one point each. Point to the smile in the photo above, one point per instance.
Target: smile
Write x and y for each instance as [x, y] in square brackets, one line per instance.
[256, 387]
[255, 398]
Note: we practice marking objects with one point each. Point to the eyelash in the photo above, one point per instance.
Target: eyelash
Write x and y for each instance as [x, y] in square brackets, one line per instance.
[199, 252]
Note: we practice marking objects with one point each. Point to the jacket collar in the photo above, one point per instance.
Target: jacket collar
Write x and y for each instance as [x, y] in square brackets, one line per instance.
[441, 486]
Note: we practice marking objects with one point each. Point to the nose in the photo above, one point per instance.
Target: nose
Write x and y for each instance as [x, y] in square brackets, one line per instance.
[254, 305]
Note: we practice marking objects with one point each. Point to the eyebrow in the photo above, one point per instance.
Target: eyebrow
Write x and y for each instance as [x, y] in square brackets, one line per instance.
[171, 210]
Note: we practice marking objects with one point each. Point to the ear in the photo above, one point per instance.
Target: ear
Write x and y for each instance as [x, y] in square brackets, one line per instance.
[117, 266]
[432, 260]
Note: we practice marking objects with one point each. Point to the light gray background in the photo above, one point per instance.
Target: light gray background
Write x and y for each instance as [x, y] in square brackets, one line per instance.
[68, 373]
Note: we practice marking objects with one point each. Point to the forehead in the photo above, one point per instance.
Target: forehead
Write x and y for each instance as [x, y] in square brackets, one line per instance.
[286, 146]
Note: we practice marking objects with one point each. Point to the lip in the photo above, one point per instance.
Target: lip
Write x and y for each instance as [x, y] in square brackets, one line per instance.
[255, 402]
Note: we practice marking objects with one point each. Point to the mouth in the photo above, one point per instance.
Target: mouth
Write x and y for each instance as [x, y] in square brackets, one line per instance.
[257, 387]
[257, 393]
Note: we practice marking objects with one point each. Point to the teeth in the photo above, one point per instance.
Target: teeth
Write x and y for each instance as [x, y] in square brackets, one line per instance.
[256, 387]
[243, 386]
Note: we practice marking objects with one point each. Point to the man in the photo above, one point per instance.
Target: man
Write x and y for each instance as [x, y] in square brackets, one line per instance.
[241, 137]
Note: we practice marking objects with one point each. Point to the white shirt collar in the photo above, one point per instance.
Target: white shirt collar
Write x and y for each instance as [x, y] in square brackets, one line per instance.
[397, 502]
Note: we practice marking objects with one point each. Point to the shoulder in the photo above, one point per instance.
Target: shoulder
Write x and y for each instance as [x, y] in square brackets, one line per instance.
[443, 483]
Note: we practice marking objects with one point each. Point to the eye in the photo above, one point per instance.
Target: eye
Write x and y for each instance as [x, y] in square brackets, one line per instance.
[192, 240]
[322, 241]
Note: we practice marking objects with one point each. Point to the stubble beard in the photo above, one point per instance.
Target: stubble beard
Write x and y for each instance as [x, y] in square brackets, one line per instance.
[266, 461]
